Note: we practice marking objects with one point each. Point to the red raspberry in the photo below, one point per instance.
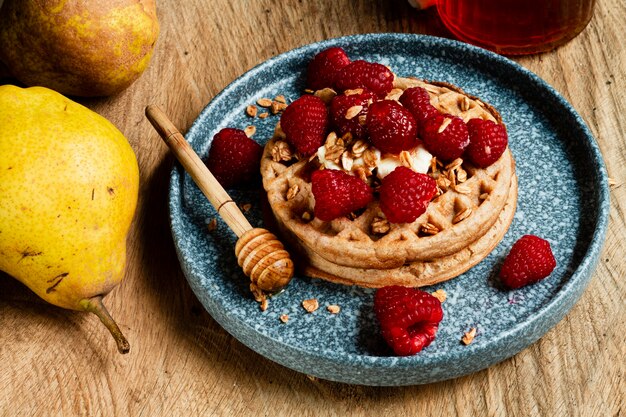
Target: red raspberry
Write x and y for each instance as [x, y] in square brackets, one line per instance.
[340, 105]
[391, 127]
[488, 140]
[408, 318]
[337, 193]
[417, 101]
[529, 261]
[449, 143]
[234, 158]
[405, 194]
[305, 122]
[362, 74]
[324, 68]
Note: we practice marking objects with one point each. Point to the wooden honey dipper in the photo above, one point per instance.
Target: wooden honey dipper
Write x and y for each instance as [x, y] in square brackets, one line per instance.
[260, 254]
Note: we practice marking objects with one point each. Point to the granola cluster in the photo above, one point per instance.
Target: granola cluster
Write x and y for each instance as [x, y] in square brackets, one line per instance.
[275, 106]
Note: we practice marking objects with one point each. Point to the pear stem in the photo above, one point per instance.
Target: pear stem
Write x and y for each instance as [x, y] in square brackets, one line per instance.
[94, 305]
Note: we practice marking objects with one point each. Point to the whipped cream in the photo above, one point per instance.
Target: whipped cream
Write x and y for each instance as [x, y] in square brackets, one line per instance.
[327, 163]
[418, 158]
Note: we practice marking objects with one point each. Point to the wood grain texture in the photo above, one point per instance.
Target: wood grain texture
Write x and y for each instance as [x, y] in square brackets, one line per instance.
[56, 362]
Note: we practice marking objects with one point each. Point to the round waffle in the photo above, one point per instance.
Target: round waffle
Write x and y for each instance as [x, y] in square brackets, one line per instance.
[460, 227]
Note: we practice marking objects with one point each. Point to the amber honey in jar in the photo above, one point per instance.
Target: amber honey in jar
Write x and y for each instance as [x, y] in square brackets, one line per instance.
[516, 26]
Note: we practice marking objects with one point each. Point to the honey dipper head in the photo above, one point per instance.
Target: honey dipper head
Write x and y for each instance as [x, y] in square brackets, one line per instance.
[264, 259]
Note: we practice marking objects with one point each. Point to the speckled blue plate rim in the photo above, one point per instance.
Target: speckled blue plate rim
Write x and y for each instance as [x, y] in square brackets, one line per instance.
[501, 346]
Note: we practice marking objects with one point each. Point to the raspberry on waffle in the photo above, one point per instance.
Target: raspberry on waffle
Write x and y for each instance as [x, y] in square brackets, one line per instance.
[325, 66]
[460, 226]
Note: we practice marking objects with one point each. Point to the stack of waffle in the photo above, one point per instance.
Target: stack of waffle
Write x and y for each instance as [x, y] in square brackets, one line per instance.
[461, 226]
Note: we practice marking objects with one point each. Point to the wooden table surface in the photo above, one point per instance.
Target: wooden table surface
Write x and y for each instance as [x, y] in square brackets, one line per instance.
[57, 362]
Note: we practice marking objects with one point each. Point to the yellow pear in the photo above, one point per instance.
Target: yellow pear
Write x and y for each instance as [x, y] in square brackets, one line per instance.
[78, 47]
[68, 191]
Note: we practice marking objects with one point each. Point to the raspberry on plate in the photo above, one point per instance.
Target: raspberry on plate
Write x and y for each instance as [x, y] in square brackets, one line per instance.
[405, 194]
[530, 260]
[325, 66]
[391, 127]
[305, 122]
[408, 317]
[445, 136]
[488, 140]
[234, 158]
[338, 193]
[375, 77]
[417, 101]
[344, 115]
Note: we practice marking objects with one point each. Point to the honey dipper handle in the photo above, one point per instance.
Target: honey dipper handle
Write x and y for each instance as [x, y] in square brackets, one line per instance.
[212, 189]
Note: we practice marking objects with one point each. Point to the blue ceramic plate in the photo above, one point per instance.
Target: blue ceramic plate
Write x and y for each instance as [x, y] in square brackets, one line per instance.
[563, 197]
